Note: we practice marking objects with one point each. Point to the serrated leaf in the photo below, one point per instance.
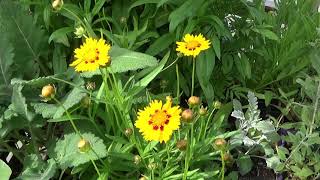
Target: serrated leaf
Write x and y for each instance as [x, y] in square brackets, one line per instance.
[19, 103]
[45, 109]
[71, 99]
[123, 60]
[67, 154]
[5, 171]
[35, 168]
[264, 126]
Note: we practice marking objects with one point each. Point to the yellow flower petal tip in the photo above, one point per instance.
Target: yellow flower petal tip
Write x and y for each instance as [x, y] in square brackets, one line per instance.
[192, 45]
[157, 121]
[91, 55]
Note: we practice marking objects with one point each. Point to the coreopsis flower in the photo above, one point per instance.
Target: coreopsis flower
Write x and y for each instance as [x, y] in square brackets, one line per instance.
[158, 121]
[192, 45]
[91, 55]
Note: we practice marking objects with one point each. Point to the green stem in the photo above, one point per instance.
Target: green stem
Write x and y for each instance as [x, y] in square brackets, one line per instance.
[69, 117]
[223, 165]
[188, 153]
[207, 123]
[178, 82]
[95, 167]
[193, 70]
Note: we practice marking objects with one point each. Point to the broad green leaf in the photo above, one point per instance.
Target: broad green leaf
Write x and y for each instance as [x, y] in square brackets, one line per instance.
[6, 61]
[216, 46]
[160, 44]
[67, 154]
[72, 98]
[304, 172]
[60, 35]
[5, 171]
[72, 12]
[187, 9]
[45, 109]
[273, 162]
[35, 168]
[123, 60]
[244, 163]
[267, 33]
[59, 61]
[19, 103]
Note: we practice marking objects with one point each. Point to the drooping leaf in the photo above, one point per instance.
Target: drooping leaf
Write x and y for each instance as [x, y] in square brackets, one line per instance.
[67, 154]
[160, 44]
[5, 171]
[6, 60]
[19, 103]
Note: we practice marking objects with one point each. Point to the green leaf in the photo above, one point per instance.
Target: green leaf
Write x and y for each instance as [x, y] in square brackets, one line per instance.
[98, 5]
[60, 36]
[267, 33]
[66, 118]
[67, 154]
[59, 61]
[19, 103]
[304, 172]
[141, 2]
[6, 61]
[5, 171]
[35, 168]
[160, 44]
[216, 46]
[73, 98]
[273, 162]
[45, 109]
[244, 163]
[125, 60]
[187, 9]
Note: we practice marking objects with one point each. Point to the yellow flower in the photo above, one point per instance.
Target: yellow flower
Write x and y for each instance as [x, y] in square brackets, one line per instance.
[91, 55]
[192, 45]
[158, 121]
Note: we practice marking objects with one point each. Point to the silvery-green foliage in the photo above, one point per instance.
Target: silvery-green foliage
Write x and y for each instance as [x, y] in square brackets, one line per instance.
[250, 122]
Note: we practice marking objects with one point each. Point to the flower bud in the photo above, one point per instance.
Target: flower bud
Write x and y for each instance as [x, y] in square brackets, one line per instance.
[123, 20]
[80, 32]
[128, 132]
[217, 105]
[228, 159]
[86, 101]
[136, 159]
[152, 166]
[90, 86]
[143, 178]
[193, 101]
[179, 55]
[203, 111]
[220, 144]
[187, 115]
[84, 146]
[57, 4]
[48, 92]
[182, 144]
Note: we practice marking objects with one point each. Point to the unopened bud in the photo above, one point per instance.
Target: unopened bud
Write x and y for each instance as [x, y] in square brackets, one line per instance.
[187, 115]
[143, 178]
[86, 101]
[152, 166]
[123, 20]
[217, 105]
[228, 159]
[220, 144]
[80, 32]
[128, 132]
[136, 159]
[57, 4]
[193, 101]
[182, 144]
[90, 86]
[84, 146]
[48, 92]
[203, 111]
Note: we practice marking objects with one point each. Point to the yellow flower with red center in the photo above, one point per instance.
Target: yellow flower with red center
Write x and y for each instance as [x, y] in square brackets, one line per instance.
[91, 55]
[192, 45]
[158, 121]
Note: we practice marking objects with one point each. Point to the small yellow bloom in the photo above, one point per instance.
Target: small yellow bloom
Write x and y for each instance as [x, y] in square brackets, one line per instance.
[158, 121]
[91, 55]
[192, 45]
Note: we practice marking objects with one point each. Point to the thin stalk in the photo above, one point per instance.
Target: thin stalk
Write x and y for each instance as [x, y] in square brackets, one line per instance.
[69, 117]
[170, 64]
[315, 109]
[192, 80]
[188, 153]
[207, 123]
[95, 167]
[223, 165]
[178, 82]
